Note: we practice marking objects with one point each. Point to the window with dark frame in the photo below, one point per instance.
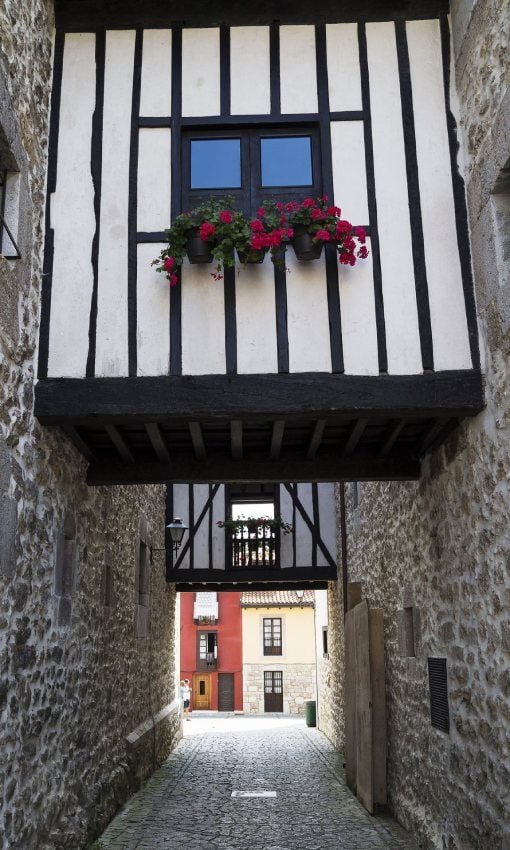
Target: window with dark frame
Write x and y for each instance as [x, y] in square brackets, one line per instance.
[207, 650]
[272, 630]
[438, 688]
[325, 653]
[250, 164]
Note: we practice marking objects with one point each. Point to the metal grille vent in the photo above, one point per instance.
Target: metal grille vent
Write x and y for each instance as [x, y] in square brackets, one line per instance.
[438, 685]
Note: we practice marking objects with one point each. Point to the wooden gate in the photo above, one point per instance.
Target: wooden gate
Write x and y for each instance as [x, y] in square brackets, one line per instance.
[273, 690]
[365, 716]
[226, 692]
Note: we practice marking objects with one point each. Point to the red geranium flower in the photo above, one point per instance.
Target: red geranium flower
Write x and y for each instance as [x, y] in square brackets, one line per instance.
[173, 279]
[343, 227]
[318, 215]
[169, 264]
[226, 217]
[336, 211]
[363, 252]
[360, 232]
[256, 226]
[323, 236]
[207, 231]
[308, 202]
[347, 259]
[258, 241]
[261, 212]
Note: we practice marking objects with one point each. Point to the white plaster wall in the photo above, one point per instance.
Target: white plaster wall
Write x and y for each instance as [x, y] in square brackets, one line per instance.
[112, 319]
[402, 335]
[286, 549]
[446, 296]
[201, 71]
[218, 533]
[328, 522]
[153, 311]
[201, 539]
[357, 302]
[298, 72]
[203, 321]
[72, 212]
[181, 509]
[256, 318]
[154, 178]
[249, 71]
[344, 78]
[156, 81]
[303, 534]
[307, 316]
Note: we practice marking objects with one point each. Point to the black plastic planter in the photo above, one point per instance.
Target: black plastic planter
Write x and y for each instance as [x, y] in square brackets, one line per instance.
[304, 246]
[197, 250]
[251, 257]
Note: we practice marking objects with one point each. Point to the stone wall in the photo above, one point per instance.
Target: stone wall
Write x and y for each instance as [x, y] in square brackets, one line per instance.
[330, 711]
[75, 679]
[298, 686]
[441, 547]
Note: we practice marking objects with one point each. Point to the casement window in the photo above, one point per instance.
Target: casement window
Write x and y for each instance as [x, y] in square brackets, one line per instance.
[251, 165]
[207, 650]
[272, 632]
[325, 651]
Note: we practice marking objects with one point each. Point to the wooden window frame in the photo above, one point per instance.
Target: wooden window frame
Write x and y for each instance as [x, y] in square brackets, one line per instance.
[201, 664]
[251, 194]
[271, 648]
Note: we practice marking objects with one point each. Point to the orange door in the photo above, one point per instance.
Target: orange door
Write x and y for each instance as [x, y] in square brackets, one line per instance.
[201, 696]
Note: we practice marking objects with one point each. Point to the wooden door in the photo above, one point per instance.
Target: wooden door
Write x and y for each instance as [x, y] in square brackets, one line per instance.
[273, 690]
[225, 692]
[201, 695]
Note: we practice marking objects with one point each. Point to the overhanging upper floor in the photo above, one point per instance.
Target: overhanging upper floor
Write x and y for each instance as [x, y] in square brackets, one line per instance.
[311, 427]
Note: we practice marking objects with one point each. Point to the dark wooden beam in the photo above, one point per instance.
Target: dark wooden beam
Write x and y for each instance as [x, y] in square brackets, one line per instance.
[120, 443]
[248, 397]
[183, 587]
[315, 439]
[79, 443]
[80, 16]
[290, 574]
[430, 433]
[158, 442]
[276, 439]
[354, 437]
[221, 468]
[390, 437]
[236, 439]
[197, 438]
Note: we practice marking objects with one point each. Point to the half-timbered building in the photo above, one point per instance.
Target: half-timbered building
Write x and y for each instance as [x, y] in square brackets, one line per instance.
[315, 372]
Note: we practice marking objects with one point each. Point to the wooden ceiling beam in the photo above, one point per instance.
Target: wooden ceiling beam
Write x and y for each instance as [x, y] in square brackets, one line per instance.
[355, 435]
[221, 468]
[315, 439]
[158, 441]
[120, 443]
[236, 439]
[276, 439]
[197, 438]
[391, 436]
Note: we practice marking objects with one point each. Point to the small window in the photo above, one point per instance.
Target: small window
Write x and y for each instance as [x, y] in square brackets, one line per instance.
[215, 163]
[438, 686]
[272, 628]
[207, 650]
[325, 642]
[201, 688]
[286, 161]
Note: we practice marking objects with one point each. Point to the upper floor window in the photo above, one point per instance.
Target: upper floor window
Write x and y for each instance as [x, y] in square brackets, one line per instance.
[207, 650]
[252, 165]
[272, 628]
[205, 608]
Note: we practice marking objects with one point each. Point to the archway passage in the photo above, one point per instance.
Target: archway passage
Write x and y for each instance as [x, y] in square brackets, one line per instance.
[257, 782]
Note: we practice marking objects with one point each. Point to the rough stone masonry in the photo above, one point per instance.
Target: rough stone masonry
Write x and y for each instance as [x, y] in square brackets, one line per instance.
[441, 548]
[86, 705]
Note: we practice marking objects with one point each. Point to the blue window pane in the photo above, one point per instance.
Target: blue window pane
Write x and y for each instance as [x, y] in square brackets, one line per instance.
[216, 164]
[286, 161]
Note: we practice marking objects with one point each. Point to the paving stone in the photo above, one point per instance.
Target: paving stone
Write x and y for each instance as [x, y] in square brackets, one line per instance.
[188, 804]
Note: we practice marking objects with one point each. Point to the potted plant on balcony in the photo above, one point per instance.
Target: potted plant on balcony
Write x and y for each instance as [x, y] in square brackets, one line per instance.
[270, 231]
[254, 523]
[210, 232]
[315, 223]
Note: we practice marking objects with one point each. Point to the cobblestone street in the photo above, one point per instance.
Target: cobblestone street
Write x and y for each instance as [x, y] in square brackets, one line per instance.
[189, 802]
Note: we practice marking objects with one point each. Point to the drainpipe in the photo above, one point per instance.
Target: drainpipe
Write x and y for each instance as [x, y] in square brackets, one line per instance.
[343, 543]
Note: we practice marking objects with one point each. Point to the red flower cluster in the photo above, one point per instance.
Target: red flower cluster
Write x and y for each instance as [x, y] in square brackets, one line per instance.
[207, 230]
[168, 266]
[323, 223]
[226, 217]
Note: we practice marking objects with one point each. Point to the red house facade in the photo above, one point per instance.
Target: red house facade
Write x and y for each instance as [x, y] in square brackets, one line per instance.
[211, 649]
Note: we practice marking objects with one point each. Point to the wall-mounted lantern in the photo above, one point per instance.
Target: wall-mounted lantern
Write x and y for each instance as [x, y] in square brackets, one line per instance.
[177, 529]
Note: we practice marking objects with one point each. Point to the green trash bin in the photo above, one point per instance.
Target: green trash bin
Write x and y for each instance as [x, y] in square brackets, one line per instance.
[310, 712]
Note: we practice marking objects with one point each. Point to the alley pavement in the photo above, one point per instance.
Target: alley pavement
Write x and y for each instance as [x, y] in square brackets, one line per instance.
[297, 799]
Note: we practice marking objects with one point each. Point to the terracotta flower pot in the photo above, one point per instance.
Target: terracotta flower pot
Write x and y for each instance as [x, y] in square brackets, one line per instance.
[197, 250]
[304, 246]
[251, 257]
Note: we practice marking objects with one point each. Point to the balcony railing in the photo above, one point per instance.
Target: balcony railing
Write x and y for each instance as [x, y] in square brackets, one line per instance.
[253, 546]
